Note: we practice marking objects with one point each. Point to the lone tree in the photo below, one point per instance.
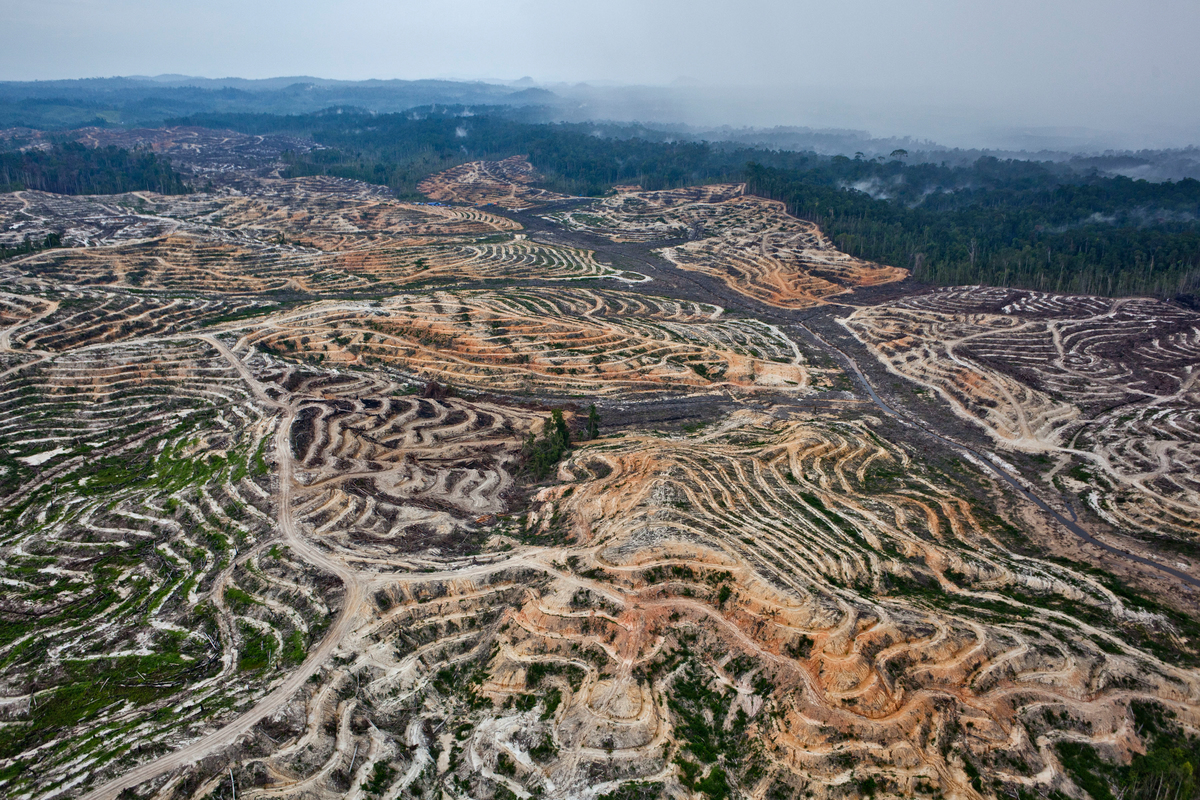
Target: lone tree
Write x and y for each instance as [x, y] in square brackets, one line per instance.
[592, 430]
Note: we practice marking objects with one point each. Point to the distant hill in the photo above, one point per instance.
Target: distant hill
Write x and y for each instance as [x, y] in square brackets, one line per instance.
[143, 100]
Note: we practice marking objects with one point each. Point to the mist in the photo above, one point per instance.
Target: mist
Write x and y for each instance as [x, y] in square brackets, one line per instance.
[1024, 75]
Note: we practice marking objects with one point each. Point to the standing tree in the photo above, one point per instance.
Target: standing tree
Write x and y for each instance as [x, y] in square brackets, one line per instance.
[593, 423]
[542, 454]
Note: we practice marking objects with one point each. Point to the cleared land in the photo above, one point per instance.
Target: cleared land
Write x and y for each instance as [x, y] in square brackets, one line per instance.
[268, 519]
[751, 244]
[1104, 392]
[506, 183]
[310, 235]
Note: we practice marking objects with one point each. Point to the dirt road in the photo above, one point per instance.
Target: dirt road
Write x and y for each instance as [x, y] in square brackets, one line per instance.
[282, 694]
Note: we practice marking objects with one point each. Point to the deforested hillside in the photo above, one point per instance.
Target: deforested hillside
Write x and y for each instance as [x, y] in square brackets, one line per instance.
[307, 491]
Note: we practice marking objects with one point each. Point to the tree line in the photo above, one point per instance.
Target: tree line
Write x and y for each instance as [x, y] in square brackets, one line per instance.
[1107, 236]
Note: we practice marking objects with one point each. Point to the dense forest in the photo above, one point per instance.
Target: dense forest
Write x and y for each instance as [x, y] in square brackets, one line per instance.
[1009, 227]
[72, 168]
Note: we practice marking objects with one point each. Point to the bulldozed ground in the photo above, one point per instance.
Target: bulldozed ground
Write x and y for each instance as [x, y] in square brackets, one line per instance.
[268, 526]
[750, 243]
[506, 183]
[1102, 393]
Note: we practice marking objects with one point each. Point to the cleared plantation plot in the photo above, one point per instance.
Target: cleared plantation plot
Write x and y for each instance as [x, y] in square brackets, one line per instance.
[545, 341]
[192, 263]
[131, 479]
[18, 310]
[844, 597]
[218, 155]
[318, 235]
[86, 317]
[259, 544]
[504, 183]
[1106, 388]
[796, 604]
[325, 213]
[80, 220]
[750, 243]
[634, 215]
[390, 481]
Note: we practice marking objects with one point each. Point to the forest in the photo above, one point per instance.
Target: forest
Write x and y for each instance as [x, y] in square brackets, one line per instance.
[1106, 236]
[73, 168]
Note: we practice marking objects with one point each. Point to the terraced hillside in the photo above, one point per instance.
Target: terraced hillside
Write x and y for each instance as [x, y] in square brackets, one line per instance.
[309, 493]
[1104, 391]
[547, 342]
[507, 183]
[311, 235]
[750, 243]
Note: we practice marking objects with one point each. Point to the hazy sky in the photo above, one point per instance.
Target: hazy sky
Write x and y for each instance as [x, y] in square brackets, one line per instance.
[918, 67]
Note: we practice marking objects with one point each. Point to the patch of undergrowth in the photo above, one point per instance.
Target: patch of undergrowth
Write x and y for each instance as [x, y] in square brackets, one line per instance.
[104, 572]
[544, 750]
[382, 776]
[635, 790]
[238, 601]
[294, 648]
[682, 572]
[80, 691]
[248, 312]
[258, 648]
[540, 670]
[556, 531]
[463, 681]
[715, 754]
[553, 701]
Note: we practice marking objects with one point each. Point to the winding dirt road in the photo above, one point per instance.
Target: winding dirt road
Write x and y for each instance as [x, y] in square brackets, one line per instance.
[284, 692]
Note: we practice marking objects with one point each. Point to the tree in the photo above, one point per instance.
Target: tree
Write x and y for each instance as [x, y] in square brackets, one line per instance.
[560, 428]
[540, 455]
[593, 423]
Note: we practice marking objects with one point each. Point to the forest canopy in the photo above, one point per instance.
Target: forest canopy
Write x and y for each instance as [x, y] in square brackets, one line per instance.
[72, 168]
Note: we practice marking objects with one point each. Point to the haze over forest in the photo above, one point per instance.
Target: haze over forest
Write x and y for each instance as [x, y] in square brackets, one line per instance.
[1017, 75]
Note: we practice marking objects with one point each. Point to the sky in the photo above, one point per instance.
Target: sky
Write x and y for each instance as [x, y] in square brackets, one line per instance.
[927, 68]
